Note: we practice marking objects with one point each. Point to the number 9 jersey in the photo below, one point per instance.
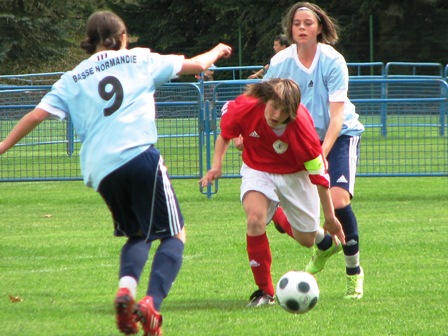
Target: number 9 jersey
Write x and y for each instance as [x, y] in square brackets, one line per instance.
[110, 100]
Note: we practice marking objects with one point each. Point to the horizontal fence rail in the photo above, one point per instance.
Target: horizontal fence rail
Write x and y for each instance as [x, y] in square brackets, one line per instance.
[405, 119]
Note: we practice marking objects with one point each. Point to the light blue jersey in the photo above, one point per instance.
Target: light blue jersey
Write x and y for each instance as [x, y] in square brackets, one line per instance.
[325, 81]
[110, 99]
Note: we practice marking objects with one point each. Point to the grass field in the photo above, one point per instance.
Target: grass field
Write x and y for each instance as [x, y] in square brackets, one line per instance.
[59, 259]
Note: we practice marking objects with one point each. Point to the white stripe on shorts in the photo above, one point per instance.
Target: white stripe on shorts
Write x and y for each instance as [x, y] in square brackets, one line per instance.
[173, 213]
[353, 161]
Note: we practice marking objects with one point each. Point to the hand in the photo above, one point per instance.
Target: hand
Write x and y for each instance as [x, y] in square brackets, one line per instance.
[238, 142]
[253, 76]
[223, 50]
[211, 176]
[334, 227]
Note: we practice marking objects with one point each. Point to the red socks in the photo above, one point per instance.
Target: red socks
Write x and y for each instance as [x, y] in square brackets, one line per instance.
[280, 220]
[260, 260]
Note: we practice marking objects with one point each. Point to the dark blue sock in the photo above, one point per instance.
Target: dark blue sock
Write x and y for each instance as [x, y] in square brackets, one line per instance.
[325, 244]
[134, 255]
[165, 267]
[350, 226]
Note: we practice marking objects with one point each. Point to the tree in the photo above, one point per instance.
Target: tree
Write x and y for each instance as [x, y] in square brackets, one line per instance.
[403, 30]
[190, 27]
[44, 35]
[37, 32]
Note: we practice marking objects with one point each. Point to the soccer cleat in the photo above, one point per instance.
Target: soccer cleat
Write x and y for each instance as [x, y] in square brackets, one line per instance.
[260, 299]
[124, 310]
[149, 317]
[319, 258]
[355, 286]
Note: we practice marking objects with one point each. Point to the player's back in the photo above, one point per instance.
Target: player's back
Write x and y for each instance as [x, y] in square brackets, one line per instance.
[110, 100]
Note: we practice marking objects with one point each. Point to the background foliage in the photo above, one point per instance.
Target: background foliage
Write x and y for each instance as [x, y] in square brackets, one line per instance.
[38, 36]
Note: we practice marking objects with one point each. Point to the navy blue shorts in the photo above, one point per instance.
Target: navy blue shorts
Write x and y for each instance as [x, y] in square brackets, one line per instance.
[141, 198]
[342, 162]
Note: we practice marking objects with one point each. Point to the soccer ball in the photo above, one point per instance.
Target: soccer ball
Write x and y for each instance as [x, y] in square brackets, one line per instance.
[297, 292]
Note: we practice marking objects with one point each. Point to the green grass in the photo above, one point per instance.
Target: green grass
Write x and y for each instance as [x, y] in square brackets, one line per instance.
[59, 256]
[407, 149]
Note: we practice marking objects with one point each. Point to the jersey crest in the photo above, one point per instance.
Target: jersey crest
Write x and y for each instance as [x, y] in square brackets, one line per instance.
[280, 147]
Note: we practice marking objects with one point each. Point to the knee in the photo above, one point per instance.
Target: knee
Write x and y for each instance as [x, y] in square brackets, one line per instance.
[340, 197]
[256, 223]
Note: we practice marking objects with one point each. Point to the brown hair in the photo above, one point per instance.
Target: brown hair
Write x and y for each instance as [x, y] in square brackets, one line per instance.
[330, 28]
[103, 28]
[284, 92]
[282, 39]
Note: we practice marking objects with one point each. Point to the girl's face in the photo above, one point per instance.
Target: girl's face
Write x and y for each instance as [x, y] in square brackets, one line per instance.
[274, 115]
[305, 27]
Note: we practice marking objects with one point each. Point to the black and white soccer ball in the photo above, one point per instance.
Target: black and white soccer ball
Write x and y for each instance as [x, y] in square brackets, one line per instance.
[297, 292]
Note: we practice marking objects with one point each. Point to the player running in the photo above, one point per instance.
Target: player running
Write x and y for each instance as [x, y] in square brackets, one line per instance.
[322, 75]
[282, 162]
[110, 99]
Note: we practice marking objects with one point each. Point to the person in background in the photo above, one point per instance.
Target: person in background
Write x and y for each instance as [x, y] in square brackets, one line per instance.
[110, 99]
[282, 162]
[207, 74]
[322, 75]
[280, 43]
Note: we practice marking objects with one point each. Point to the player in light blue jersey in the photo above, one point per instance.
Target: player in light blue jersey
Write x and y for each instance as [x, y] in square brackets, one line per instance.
[322, 75]
[110, 99]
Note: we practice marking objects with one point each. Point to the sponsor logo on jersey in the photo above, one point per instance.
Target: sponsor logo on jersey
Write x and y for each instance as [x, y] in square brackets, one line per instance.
[254, 134]
[310, 84]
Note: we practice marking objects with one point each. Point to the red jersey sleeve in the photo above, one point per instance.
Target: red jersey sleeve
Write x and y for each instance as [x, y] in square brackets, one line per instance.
[228, 126]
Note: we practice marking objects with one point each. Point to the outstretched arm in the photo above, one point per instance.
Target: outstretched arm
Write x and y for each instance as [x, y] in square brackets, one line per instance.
[221, 146]
[29, 122]
[202, 62]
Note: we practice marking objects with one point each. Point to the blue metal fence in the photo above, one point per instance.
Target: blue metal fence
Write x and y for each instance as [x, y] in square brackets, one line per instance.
[405, 117]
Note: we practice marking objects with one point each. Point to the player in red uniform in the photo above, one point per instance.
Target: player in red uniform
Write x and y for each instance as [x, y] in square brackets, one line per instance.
[282, 162]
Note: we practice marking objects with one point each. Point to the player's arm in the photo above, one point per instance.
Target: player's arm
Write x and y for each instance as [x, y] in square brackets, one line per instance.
[331, 223]
[319, 176]
[239, 142]
[260, 73]
[318, 171]
[29, 122]
[202, 62]
[221, 146]
[335, 126]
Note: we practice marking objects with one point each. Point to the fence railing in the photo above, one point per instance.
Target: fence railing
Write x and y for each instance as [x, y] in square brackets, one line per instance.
[405, 119]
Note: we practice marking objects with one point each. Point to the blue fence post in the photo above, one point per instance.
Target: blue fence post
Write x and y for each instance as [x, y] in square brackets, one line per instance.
[443, 107]
[384, 109]
[207, 144]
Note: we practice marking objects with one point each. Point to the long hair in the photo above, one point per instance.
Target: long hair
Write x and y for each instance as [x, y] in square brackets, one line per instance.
[330, 28]
[285, 93]
[103, 28]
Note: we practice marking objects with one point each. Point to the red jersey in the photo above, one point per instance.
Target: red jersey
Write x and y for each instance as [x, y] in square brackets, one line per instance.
[268, 152]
